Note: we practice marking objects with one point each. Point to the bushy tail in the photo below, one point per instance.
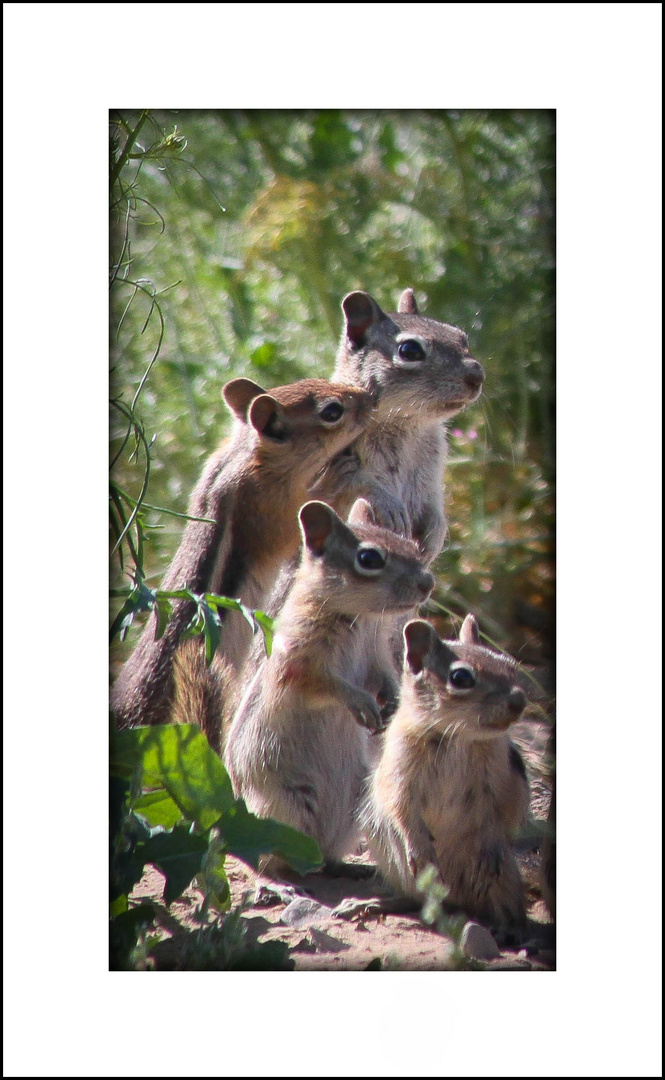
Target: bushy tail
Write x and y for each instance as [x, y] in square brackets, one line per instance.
[202, 692]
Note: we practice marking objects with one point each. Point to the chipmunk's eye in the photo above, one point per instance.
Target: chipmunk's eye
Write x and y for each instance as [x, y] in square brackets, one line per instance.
[462, 678]
[410, 350]
[332, 412]
[370, 560]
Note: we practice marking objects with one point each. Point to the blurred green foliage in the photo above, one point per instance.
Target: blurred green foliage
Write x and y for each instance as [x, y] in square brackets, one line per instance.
[248, 228]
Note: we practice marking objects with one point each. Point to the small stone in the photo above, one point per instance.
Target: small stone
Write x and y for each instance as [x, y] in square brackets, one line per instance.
[304, 946]
[477, 941]
[327, 943]
[303, 912]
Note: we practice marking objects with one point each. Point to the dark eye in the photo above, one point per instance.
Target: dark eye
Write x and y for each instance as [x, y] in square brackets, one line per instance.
[371, 559]
[412, 351]
[332, 412]
[462, 678]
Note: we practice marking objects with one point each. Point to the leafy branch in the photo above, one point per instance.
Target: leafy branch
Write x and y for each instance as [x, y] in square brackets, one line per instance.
[128, 523]
[206, 619]
[127, 149]
[173, 807]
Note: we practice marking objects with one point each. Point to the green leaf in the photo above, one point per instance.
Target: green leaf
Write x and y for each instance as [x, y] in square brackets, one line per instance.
[216, 601]
[179, 759]
[213, 880]
[126, 872]
[126, 751]
[266, 624]
[249, 616]
[119, 905]
[264, 356]
[248, 837]
[213, 633]
[157, 808]
[141, 598]
[195, 626]
[178, 594]
[164, 610]
[178, 855]
[123, 619]
[391, 155]
[118, 792]
[124, 933]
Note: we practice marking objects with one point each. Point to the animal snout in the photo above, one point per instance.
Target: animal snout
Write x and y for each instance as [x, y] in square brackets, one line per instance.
[474, 376]
[516, 701]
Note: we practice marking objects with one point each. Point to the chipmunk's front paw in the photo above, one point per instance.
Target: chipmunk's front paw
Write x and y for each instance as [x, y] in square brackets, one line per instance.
[367, 713]
[392, 515]
[387, 707]
[429, 533]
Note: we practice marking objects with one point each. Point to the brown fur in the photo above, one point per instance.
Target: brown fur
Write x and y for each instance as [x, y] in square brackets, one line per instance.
[397, 463]
[450, 787]
[200, 690]
[252, 487]
[298, 746]
[548, 852]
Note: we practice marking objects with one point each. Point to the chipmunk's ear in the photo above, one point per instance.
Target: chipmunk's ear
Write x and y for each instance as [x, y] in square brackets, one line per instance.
[361, 513]
[419, 637]
[238, 395]
[469, 633]
[360, 311]
[407, 303]
[425, 649]
[267, 417]
[317, 522]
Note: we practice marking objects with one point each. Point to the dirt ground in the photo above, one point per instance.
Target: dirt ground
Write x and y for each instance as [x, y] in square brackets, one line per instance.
[319, 942]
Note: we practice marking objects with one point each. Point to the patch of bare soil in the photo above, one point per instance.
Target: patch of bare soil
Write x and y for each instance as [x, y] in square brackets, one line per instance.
[319, 942]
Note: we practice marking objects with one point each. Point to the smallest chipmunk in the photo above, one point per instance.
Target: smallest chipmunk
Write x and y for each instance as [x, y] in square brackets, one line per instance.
[450, 786]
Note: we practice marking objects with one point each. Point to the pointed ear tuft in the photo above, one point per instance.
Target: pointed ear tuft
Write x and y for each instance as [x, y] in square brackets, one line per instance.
[360, 311]
[407, 303]
[361, 513]
[238, 395]
[267, 417]
[419, 638]
[317, 522]
[469, 633]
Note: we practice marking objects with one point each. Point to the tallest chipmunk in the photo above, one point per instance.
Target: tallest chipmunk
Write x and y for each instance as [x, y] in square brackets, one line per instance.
[420, 372]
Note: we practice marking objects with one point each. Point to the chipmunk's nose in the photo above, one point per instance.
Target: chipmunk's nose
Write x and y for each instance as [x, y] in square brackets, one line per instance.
[425, 583]
[474, 376]
[516, 701]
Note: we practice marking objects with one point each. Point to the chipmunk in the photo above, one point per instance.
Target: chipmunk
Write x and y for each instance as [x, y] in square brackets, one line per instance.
[450, 786]
[252, 487]
[421, 373]
[548, 849]
[297, 748]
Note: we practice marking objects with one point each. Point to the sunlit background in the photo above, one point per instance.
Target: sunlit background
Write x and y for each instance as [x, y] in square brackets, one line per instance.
[234, 237]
